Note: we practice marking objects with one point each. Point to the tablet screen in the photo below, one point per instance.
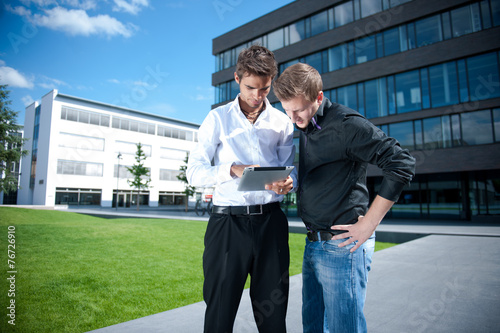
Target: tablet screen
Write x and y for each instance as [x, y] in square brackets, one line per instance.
[256, 178]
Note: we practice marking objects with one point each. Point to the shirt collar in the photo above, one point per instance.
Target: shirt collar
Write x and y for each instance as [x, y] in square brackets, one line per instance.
[236, 106]
[314, 124]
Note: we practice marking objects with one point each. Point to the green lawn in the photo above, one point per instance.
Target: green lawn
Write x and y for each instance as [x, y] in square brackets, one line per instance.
[76, 273]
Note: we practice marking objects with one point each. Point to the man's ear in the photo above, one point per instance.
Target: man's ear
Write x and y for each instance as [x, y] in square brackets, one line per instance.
[236, 78]
[320, 97]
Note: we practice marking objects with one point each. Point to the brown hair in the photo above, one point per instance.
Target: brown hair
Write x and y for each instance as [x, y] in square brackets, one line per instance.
[298, 79]
[256, 60]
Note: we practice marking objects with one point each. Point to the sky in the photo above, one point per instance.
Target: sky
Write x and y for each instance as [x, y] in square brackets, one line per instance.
[148, 55]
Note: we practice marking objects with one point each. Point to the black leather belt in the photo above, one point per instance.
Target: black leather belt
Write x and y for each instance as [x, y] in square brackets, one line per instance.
[315, 236]
[245, 210]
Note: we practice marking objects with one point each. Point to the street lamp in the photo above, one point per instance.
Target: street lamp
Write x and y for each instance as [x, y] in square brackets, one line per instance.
[118, 178]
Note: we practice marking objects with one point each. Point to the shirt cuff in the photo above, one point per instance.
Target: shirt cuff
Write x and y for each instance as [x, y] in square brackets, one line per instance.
[224, 173]
[390, 189]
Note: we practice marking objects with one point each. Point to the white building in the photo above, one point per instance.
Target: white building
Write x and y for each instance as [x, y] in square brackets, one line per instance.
[76, 147]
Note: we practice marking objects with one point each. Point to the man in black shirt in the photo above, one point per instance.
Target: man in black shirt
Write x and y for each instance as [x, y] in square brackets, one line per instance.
[336, 145]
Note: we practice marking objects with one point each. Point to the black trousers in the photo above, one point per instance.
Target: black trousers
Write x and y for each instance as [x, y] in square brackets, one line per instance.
[238, 245]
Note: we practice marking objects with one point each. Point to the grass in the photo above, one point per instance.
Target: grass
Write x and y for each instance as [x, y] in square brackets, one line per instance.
[76, 273]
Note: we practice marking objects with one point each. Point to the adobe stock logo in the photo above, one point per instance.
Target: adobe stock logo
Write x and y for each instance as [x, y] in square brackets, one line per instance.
[224, 6]
[28, 32]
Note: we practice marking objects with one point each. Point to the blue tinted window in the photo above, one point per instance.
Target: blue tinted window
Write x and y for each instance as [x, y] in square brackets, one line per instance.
[428, 31]
[370, 7]
[456, 130]
[275, 40]
[483, 76]
[424, 81]
[496, 124]
[319, 23]
[337, 57]
[403, 132]
[495, 12]
[477, 128]
[315, 61]
[462, 81]
[365, 49]
[408, 96]
[344, 14]
[434, 136]
[461, 21]
[376, 98]
[347, 96]
[235, 89]
[444, 86]
[417, 128]
[391, 41]
[297, 32]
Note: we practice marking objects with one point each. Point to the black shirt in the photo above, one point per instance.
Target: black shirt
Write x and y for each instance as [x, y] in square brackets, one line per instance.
[335, 150]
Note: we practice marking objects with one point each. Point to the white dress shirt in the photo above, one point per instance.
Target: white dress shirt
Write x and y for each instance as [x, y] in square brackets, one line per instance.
[228, 138]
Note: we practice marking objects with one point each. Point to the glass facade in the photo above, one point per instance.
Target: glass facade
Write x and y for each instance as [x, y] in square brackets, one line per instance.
[448, 92]
[308, 27]
[420, 33]
[466, 80]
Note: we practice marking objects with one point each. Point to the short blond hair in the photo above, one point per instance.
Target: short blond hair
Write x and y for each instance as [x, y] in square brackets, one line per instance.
[298, 79]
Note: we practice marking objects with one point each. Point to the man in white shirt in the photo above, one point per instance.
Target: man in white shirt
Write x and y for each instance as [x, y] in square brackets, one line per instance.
[247, 232]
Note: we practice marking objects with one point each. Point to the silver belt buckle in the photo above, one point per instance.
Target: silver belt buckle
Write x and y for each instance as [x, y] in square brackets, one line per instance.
[259, 213]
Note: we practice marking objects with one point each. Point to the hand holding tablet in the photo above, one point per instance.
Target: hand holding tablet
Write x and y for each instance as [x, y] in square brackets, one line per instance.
[256, 178]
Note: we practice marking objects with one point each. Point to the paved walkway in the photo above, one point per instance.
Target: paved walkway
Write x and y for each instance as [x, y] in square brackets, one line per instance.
[446, 279]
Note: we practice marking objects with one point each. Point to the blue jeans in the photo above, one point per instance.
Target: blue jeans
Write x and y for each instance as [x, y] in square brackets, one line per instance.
[334, 286]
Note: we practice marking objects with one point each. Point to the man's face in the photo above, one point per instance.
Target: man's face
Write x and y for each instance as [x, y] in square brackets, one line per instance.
[300, 110]
[253, 91]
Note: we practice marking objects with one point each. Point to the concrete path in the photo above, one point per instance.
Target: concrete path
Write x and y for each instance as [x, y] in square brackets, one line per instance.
[447, 279]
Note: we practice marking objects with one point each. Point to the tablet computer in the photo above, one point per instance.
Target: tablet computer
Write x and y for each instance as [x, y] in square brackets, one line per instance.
[256, 178]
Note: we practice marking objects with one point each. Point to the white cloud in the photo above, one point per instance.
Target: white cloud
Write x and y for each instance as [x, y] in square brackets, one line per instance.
[77, 22]
[131, 6]
[13, 78]
[27, 100]
[50, 83]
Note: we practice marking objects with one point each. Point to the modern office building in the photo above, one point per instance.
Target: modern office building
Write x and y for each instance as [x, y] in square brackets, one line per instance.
[424, 71]
[79, 151]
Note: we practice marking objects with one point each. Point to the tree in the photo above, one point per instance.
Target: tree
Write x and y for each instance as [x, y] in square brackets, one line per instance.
[11, 142]
[140, 172]
[188, 189]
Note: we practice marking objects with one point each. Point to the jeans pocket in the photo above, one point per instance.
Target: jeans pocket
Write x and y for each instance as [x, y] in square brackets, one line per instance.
[332, 246]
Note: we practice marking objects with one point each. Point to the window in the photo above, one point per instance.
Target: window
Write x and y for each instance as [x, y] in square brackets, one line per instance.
[173, 154]
[428, 31]
[133, 125]
[275, 40]
[444, 85]
[483, 73]
[344, 14]
[81, 142]
[476, 128]
[85, 117]
[461, 21]
[319, 23]
[130, 148]
[496, 124]
[347, 96]
[170, 175]
[408, 96]
[376, 98]
[391, 41]
[79, 168]
[365, 49]
[370, 7]
[403, 132]
[338, 57]
[297, 31]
